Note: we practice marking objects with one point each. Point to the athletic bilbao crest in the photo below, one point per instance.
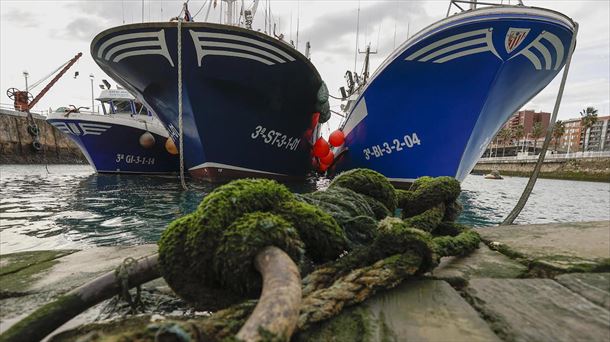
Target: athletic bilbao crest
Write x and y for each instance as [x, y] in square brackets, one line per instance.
[514, 37]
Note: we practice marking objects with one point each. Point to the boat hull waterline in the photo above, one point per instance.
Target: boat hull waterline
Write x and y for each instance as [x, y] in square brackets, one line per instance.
[435, 104]
[248, 99]
[112, 145]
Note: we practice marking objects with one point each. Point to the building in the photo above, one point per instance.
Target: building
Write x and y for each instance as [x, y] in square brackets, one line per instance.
[570, 140]
[598, 137]
[527, 118]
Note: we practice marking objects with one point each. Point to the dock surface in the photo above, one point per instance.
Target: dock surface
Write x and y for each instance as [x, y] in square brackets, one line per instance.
[543, 282]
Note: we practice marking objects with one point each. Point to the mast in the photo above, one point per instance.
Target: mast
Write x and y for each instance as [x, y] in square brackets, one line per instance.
[230, 9]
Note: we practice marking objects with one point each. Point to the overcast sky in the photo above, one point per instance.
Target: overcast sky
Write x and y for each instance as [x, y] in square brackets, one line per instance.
[39, 36]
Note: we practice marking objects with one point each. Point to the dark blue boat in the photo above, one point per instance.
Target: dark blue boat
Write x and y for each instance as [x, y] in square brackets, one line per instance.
[248, 98]
[435, 104]
[124, 139]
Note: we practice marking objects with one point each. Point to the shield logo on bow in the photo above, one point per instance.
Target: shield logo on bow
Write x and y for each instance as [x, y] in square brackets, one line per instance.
[514, 38]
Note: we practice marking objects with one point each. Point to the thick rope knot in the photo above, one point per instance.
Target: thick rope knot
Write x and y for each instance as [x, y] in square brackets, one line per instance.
[242, 240]
[397, 237]
[427, 192]
[368, 183]
[214, 247]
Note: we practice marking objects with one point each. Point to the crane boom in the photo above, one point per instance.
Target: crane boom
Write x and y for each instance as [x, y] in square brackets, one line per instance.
[53, 81]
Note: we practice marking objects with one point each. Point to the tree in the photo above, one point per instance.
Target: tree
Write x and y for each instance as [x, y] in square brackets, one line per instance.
[518, 133]
[537, 132]
[505, 136]
[588, 119]
[559, 129]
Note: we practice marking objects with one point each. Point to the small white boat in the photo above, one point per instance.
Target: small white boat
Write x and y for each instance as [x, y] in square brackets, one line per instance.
[495, 174]
[126, 138]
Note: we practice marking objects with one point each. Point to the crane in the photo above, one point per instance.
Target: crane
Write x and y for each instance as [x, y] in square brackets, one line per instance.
[23, 100]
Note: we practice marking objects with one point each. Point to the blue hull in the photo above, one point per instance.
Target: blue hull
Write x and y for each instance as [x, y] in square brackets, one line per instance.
[435, 104]
[248, 100]
[115, 148]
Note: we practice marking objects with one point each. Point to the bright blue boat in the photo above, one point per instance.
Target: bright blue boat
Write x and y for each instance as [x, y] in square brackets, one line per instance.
[248, 98]
[126, 138]
[437, 101]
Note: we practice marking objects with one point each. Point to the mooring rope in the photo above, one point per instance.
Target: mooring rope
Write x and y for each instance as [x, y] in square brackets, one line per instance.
[547, 140]
[180, 123]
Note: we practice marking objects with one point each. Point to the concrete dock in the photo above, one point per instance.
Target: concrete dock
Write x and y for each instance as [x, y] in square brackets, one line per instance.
[544, 282]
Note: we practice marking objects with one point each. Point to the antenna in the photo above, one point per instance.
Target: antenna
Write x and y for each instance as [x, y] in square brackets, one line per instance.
[142, 10]
[357, 32]
[394, 44]
[298, 18]
[123, 10]
[378, 33]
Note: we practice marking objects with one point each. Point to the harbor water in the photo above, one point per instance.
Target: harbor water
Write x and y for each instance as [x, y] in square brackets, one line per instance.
[69, 206]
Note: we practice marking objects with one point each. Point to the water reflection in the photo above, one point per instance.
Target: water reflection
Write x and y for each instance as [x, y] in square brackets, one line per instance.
[71, 207]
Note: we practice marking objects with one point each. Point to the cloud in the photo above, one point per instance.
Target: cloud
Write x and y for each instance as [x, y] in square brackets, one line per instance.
[334, 28]
[20, 17]
[80, 29]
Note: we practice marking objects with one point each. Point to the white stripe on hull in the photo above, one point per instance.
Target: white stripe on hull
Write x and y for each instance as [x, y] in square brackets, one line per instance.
[231, 167]
[145, 41]
[242, 39]
[259, 55]
[474, 38]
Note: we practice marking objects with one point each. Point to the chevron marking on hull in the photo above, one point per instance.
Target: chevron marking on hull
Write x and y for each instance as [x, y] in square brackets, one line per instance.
[81, 128]
[62, 127]
[262, 52]
[544, 51]
[93, 129]
[470, 41]
[140, 45]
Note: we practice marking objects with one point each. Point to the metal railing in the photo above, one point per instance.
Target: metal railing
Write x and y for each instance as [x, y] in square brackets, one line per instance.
[9, 107]
[555, 156]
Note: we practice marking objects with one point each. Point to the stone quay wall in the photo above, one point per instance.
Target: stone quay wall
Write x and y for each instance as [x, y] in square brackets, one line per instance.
[16, 142]
[589, 169]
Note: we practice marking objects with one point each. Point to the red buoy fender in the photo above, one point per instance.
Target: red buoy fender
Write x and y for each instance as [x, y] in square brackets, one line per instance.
[321, 148]
[336, 138]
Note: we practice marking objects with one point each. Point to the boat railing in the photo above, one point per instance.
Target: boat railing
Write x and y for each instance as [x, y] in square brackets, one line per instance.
[473, 4]
[554, 156]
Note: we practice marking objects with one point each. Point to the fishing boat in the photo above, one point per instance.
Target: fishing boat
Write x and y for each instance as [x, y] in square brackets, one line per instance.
[125, 138]
[436, 102]
[249, 102]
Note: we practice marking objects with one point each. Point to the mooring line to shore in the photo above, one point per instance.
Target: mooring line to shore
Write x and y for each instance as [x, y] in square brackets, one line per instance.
[547, 140]
[180, 121]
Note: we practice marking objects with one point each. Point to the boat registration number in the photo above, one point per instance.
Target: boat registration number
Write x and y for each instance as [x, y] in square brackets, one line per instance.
[275, 138]
[396, 145]
[133, 159]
